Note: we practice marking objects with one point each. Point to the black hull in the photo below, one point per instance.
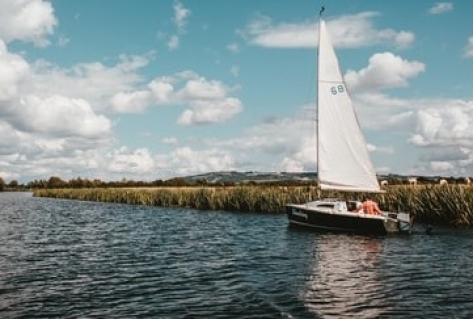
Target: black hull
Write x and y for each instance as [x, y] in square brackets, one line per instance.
[327, 221]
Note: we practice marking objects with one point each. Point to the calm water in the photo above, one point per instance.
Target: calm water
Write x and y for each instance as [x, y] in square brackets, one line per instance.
[69, 259]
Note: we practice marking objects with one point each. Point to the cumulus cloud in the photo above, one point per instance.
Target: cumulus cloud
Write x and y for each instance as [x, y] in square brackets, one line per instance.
[202, 89]
[60, 115]
[131, 102]
[346, 31]
[210, 111]
[162, 90]
[431, 126]
[452, 161]
[46, 100]
[207, 101]
[279, 144]
[11, 139]
[385, 70]
[13, 70]
[27, 20]
[187, 160]
[441, 7]
[447, 126]
[50, 117]
[262, 32]
[117, 88]
[427, 125]
[94, 82]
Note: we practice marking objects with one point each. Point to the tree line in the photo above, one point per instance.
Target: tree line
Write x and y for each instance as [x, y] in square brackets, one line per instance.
[57, 182]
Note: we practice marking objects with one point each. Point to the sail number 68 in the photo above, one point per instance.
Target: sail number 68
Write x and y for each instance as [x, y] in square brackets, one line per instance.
[337, 89]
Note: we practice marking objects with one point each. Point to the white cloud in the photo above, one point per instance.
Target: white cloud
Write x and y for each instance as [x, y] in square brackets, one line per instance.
[210, 111]
[451, 161]
[385, 70]
[354, 31]
[131, 102]
[27, 20]
[185, 161]
[50, 116]
[61, 116]
[261, 32]
[93, 82]
[208, 101]
[11, 139]
[428, 125]
[287, 144]
[202, 89]
[124, 161]
[49, 112]
[441, 166]
[447, 126]
[14, 69]
[441, 7]
[302, 160]
[161, 89]
[35, 155]
[346, 31]
[49, 105]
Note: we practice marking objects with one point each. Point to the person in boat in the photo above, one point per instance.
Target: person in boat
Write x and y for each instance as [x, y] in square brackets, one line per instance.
[369, 207]
[353, 205]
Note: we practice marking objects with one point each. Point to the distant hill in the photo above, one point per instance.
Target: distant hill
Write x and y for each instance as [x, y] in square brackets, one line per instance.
[245, 177]
[261, 177]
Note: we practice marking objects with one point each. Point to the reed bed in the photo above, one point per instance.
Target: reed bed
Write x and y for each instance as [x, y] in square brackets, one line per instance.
[441, 205]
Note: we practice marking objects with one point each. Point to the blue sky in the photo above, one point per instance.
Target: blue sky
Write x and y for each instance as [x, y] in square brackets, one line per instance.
[150, 90]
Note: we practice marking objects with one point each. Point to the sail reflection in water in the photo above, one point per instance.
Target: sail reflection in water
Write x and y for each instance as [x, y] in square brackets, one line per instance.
[344, 277]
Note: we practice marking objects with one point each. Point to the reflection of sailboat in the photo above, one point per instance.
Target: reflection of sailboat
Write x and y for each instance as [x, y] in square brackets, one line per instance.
[343, 160]
[344, 281]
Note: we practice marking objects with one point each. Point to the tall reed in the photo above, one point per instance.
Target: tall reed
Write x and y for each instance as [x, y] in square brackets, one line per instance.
[447, 204]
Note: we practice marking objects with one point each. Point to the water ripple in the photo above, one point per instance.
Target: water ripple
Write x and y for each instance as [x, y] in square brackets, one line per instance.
[69, 259]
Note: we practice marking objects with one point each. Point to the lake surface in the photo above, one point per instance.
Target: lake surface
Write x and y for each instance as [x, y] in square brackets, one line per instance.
[71, 259]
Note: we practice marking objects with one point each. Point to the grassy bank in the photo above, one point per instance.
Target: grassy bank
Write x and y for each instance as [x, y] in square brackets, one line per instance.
[440, 205]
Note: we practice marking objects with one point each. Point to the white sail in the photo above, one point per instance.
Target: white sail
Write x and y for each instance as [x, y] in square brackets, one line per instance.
[343, 158]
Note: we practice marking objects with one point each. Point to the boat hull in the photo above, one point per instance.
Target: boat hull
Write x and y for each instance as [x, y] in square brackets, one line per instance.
[348, 222]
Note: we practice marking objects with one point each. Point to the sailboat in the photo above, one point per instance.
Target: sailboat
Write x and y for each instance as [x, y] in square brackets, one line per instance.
[343, 161]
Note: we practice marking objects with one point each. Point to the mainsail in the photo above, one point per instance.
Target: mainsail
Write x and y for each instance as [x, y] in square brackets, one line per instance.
[343, 158]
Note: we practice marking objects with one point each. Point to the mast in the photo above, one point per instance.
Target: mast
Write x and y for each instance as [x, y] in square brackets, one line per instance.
[343, 159]
[318, 181]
